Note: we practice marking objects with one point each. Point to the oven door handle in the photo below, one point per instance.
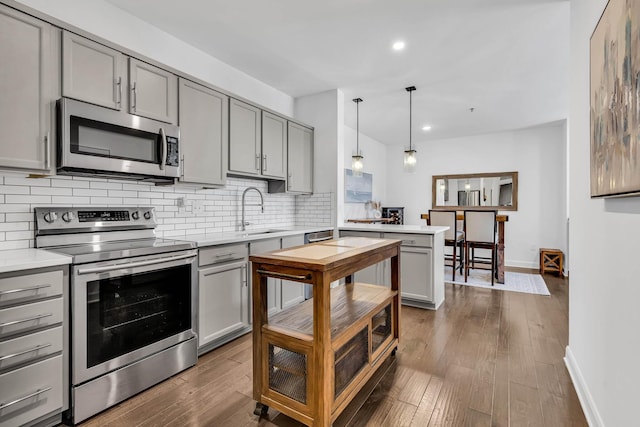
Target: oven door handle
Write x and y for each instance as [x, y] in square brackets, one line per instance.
[133, 264]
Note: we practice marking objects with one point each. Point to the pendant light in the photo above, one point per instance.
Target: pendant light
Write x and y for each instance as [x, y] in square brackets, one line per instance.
[356, 159]
[410, 154]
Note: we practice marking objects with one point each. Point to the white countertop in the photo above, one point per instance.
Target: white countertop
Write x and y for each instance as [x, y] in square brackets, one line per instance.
[395, 228]
[25, 259]
[213, 239]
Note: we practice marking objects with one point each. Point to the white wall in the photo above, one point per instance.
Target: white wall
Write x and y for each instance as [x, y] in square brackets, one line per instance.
[111, 23]
[325, 112]
[537, 154]
[603, 302]
[375, 162]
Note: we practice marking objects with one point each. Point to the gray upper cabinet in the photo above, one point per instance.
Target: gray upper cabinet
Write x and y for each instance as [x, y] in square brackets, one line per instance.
[153, 92]
[204, 133]
[29, 87]
[300, 159]
[274, 146]
[92, 72]
[95, 73]
[244, 138]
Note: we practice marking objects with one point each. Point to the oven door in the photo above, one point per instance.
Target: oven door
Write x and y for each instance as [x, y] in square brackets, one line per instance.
[127, 309]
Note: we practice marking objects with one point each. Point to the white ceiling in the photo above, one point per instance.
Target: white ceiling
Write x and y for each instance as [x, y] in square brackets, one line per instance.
[507, 59]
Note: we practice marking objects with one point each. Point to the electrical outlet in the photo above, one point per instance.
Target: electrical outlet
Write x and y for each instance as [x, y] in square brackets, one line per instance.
[180, 202]
[198, 206]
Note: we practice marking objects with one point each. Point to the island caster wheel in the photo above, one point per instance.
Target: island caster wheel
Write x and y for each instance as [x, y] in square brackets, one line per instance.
[393, 352]
[261, 410]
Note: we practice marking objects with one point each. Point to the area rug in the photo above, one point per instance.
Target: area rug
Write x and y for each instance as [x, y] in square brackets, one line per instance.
[513, 281]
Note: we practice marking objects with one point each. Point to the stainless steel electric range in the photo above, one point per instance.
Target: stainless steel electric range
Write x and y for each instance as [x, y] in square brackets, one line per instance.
[132, 302]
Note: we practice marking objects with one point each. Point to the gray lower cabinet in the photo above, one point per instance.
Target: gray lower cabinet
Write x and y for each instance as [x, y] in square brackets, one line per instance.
[245, 139]
[204, 133]
[299, 159]
[223, 295]
[33, 346]
[378, 274]
[29, 87]
[273, 285]
[292, 293]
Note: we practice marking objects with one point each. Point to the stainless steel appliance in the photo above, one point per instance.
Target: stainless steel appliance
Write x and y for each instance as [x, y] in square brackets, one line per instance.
[132, 302]
[319, 236]
[94, 140]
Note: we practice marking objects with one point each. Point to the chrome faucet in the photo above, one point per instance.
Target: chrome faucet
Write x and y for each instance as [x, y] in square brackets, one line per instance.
[261, 204]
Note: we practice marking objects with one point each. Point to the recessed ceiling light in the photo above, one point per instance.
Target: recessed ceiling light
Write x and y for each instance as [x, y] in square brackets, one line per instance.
[426, 127]
[398, 45]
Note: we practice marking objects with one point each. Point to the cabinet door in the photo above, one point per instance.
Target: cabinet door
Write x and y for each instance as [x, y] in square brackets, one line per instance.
[153, 92]
[274, 146]
[300, 159]
[416, 274]
[244, 138]
[292, 292]
[204, 133]
[223, 302]
[92, 72]
[29, 87]
[273, 285]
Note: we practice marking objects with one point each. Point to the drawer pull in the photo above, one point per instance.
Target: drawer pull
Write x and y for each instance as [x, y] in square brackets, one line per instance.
[34, 288]
[408, 242]
[20, 399]
[30, 319]
[285, 275]
[224, 255]
[10, 356]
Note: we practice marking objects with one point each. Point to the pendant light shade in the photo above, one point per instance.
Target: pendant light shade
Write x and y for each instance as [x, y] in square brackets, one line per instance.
[410, 159]
[356, 160]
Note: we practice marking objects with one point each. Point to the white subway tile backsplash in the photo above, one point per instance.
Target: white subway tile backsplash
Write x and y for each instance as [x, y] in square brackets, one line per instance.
[219, 208]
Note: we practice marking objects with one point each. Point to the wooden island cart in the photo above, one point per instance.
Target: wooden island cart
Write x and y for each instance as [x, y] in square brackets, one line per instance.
[310, 360]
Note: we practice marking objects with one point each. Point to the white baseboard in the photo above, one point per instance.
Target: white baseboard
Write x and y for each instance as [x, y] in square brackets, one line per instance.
[586, 400]
[521, 264]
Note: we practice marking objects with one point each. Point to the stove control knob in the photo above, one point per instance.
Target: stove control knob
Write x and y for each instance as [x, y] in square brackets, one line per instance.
[68, 216]
[50, 217]
[147, 215]
[135, 215]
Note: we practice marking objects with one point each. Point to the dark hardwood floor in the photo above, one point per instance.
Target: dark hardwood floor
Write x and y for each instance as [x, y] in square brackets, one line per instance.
[485, 358]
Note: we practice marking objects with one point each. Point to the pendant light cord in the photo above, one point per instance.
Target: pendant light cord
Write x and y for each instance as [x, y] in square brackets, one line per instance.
[357, 101]
[410, 89]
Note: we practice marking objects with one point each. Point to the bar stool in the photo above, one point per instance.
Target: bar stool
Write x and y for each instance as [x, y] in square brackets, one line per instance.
[452, 237]
[480, 233]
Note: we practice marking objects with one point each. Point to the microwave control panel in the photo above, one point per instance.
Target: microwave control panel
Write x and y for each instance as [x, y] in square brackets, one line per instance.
[173, 155]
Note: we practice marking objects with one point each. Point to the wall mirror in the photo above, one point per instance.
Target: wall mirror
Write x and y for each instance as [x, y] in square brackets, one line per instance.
[482, 191]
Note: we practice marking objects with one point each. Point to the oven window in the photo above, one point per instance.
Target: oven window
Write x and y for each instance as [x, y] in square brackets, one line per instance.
[126, 313]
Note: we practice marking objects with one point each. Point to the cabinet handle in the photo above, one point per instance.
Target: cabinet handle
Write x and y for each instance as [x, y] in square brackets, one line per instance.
[20, 399]
[34, 288]
[285, 275]
[224, 255]
[133, 97]
[20, 353]
[47, 151]
[244, 276]
[408, 242]
[257, 162]
[163, 153]
[289, 179]
[264, 158]
[119, 91]
[30, 319]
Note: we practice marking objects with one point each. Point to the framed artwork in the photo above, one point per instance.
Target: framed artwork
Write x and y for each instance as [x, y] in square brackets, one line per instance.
[615, 101]
[357, 189]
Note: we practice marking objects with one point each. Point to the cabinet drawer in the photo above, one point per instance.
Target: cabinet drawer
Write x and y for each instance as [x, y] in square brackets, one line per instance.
[31, 392]
[216, 254]
[24, 349]
[16, 320]
[422, 240]
[28, 287]
[369, 234]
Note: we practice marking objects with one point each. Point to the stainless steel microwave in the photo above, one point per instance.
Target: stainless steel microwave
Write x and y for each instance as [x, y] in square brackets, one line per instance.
[97, 141]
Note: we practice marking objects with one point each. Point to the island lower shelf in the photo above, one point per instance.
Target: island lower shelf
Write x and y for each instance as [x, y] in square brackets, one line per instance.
[362, 332]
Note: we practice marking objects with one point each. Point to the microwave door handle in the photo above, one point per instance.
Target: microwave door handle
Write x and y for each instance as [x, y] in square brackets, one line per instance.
[163, 153]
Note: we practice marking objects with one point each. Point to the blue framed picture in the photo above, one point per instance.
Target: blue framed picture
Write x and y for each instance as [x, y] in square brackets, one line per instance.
[357, 189]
